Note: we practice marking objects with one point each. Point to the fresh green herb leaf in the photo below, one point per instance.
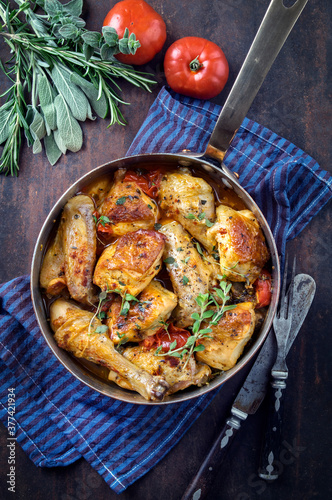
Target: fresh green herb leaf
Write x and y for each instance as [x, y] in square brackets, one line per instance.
[190, 216]
[101, 329]
[209, 223]
[185, 280]
[169, 260]
[121, 201]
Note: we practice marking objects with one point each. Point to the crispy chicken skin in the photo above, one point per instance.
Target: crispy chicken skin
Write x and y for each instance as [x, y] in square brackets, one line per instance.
[190, 276]
[182, 194]
[52, 274]
[144, 317]
[241, 244]
[129, 264]
[99, 189]
[79, 247]
[230, 335]
[128, 207]
[170, 368]
[71, 327]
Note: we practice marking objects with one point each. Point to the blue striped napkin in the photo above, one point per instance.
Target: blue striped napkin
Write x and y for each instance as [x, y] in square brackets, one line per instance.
[58, 419]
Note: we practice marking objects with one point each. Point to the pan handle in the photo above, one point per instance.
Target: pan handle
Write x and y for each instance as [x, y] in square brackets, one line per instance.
[272, 34]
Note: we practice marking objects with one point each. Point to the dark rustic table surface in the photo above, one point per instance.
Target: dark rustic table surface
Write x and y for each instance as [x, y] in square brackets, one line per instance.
[293, 102]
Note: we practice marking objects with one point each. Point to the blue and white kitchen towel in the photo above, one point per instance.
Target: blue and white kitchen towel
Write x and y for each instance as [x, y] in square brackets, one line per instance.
[58, 419]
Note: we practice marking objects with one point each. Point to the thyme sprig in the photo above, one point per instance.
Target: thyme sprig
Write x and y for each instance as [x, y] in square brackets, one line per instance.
[199, 330]
[59, 72]
[99, 314]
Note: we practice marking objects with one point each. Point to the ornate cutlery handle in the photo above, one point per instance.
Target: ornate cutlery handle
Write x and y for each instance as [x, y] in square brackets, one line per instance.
[272, 436]
[201, 482]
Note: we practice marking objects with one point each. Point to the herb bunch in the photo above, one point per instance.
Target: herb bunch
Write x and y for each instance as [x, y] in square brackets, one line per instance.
[203, 322]
[59, 73]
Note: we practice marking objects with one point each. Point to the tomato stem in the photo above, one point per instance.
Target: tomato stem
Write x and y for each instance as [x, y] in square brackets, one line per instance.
[195, 65]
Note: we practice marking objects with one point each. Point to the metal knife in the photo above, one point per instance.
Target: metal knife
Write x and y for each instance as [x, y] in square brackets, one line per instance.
[253, 391]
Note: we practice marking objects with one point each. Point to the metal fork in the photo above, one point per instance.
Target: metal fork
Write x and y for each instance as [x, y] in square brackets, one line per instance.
[281, 324]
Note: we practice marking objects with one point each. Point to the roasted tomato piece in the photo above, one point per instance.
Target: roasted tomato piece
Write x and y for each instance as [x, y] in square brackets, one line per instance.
[164, 338]
[263, 287]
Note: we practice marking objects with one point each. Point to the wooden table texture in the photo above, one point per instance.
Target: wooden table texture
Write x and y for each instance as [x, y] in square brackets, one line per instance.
[294, 102]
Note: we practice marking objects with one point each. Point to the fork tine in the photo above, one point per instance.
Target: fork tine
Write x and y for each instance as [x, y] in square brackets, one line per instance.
[283, 302]
[291, 290]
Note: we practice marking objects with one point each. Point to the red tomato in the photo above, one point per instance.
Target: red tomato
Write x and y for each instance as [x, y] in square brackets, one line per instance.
[149, 182]
[163, 338]
[140, 18]
[263, 289]
[196, 67]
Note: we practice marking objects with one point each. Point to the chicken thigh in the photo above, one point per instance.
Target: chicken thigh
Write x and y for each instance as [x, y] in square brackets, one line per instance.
[189, 274]
[77, 332]
[128, 207]
[144, 317]
[241, 244]
[129, 264]
[190, 201]
[229, 337]
[172, 369]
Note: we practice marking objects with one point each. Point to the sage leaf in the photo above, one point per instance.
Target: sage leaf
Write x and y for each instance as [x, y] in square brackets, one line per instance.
[46, 100]
[37, 147]
[74, 7]
[74, 97]
[68, 126]
[29, 118]
[59, 142]
[37, 127]
[6, 116]
[92, 38]
[53, 153]
[99, 105]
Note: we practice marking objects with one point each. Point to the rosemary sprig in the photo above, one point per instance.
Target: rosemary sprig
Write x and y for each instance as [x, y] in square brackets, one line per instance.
[59, 73]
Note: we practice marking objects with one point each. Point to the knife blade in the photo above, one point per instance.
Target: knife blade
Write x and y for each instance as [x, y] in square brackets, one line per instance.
[252, 392]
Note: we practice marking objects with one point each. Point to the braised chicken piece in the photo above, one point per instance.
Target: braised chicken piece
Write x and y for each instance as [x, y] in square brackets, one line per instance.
[144, 317]
[172, 369]
[127, 207]
[79, 247]
[70, 260]
[190, 201]
[130, 263]
[189, 274]
[229, 337]
[52, 274]
[77, 332]
[241, 244]
[98, 189]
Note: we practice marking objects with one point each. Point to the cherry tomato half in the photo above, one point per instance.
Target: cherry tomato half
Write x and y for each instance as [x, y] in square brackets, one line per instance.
[149, 183]
[196, 67]
[263, 289]
[165, 339]
[140, 18]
